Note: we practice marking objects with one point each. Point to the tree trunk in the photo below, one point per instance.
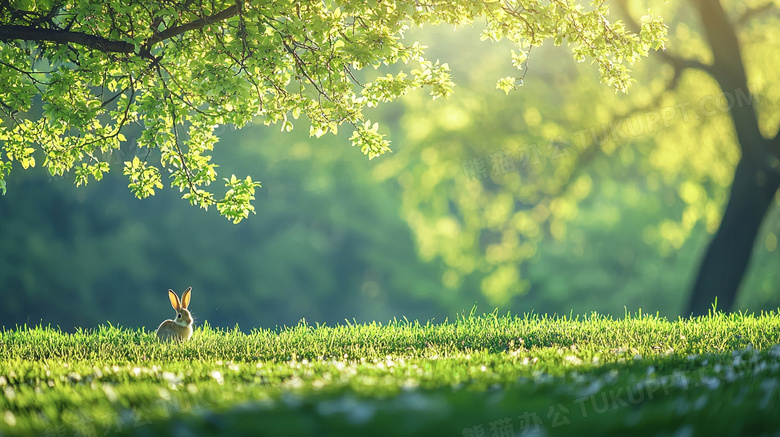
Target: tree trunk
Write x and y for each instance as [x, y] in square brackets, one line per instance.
[729, 252]
[756, 178]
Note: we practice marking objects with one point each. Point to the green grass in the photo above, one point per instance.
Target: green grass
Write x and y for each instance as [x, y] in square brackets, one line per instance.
[488, 375]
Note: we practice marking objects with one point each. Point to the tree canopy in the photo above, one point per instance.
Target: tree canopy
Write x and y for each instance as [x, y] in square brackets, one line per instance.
[76, 74]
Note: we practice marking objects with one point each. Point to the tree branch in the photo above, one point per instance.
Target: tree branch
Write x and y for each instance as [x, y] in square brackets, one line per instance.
[752, 12]
[677, 62]
[11, 32]
[680, 63]
[197, 24]
[594, 147]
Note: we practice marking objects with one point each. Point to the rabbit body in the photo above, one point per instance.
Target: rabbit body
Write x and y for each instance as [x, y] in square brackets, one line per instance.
[179, 328]
[170, 330]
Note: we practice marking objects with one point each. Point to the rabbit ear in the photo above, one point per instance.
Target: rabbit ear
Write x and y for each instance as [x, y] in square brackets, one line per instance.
[185, 298]
[174, 300]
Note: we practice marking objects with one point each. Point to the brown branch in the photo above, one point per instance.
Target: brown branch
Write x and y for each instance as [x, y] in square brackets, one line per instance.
[197, 24]
[11, 32]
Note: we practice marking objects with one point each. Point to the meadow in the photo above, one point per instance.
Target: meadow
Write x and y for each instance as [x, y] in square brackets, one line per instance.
[486, 375]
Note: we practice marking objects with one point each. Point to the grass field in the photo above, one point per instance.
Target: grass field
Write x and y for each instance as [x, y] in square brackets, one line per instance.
[478, 376]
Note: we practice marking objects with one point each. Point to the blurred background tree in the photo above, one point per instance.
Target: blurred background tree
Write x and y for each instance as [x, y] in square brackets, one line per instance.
[559, 197]
[631, 186]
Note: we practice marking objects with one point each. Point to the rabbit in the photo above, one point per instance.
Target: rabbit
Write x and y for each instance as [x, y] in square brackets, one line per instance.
[179, 328]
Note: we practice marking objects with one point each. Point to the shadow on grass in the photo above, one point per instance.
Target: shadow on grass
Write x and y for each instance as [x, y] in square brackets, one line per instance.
[728, 394]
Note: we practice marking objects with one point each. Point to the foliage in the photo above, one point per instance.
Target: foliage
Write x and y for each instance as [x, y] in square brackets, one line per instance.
[638, 375]
[181, 70]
